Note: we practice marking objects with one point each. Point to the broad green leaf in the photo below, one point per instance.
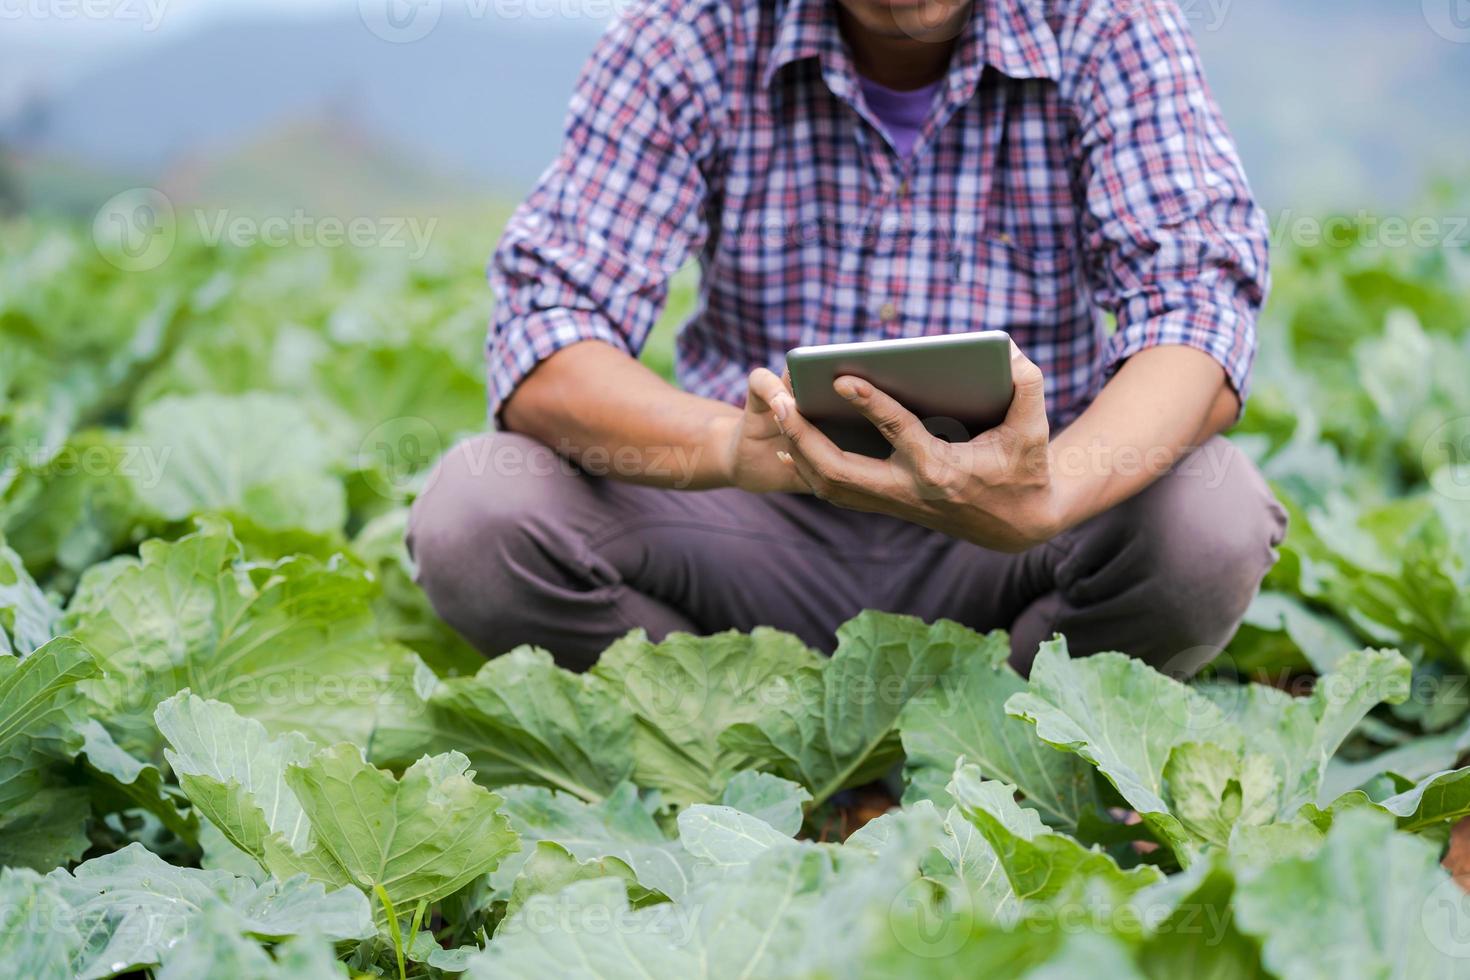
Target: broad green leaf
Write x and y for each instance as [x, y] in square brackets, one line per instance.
[131, 906]
[330, 815]
[1321, 639]
[1194, 762]
[1430, 805]
[1439, 798]
[965, 717]
[292, 643]
[37, 929]
[1414, 759]
[618, 827]
[403, 610]
[420, 837]
[123, 782]
[551, 867]
[687, 690]
[62, 516]
[397, 407]
[1088, 954]
[779, 802]
[43, 811]
[720, 837]
[550, 937]
[1371, 902]
[307, 957]
[763, 919]
[1214, 790]
[964, 864]
[219, 853]
[1339, 701]
[947, 947]
[27, 617]
[835, 726]
[260, 455]
[39, 705]
[43, 815]
[1190, 929]
[1300, 735]
[234, 772]
[1125, 718]
[214, 947]
[1040, 864]
[521, 719]
[1265, 844]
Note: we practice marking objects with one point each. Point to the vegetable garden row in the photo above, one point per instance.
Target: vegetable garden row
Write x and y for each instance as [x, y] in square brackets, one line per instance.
[234, 741]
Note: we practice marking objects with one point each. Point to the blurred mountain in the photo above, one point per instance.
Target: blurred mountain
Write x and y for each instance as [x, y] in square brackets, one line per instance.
[474, 102]
[1335, 103]
[323, 163]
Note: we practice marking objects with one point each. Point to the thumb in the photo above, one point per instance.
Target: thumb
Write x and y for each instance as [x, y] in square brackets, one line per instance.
[1027, 413]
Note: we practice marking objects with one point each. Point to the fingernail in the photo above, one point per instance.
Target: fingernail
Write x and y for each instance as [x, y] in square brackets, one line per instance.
[779, 407]
[847, 388]
[783, 456]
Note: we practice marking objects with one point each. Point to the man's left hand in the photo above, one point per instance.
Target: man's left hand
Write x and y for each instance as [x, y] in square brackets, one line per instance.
[995, 490]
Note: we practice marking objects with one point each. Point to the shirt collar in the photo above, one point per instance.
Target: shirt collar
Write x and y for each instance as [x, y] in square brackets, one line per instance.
[1011, 36]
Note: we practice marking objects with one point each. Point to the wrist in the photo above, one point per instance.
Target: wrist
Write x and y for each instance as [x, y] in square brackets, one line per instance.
[717, 451]
[1066, 504]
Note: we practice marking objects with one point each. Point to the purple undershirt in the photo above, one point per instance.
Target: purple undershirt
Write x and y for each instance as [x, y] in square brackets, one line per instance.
[902, 114]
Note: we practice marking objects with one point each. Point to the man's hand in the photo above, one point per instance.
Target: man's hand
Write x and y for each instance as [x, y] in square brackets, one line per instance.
[753, 446]
[996, 490]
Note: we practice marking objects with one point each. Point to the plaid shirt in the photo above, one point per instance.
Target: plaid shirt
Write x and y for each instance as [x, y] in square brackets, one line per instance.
[1074, 164]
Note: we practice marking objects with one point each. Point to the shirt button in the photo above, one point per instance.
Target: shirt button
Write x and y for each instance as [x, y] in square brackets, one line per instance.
[903, 189]
[1005, 238]
[888, 312]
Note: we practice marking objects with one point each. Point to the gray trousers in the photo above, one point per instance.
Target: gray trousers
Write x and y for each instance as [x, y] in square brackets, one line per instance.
[514, 545]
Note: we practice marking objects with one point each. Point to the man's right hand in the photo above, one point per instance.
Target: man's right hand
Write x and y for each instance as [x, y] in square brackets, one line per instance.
[752, 440]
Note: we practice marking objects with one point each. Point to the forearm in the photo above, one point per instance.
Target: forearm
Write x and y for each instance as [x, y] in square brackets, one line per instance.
[596, 405]
[1161, 405]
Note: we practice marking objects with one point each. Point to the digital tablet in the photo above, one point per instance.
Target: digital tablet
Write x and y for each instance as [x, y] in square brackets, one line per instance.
[958, 384]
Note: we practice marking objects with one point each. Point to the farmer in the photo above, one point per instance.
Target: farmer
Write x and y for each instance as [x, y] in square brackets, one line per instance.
[855, 170]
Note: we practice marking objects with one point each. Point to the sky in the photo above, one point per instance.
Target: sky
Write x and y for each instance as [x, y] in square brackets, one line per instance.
[106, 23]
